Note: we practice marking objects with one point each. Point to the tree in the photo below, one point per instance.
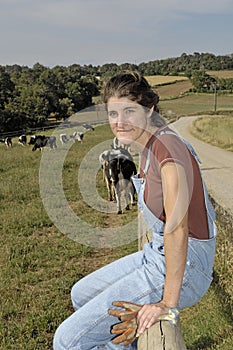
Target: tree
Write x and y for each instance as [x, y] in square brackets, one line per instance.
[6, 87]
[202, 81]
[65, 108]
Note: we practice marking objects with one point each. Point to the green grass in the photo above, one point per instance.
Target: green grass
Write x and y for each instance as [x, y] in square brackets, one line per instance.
[208, 324]
[39, 264]
[225, 74]
[195, 104]
[215, 130]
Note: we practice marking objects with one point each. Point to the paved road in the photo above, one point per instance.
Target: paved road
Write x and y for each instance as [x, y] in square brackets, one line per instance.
[217, 165]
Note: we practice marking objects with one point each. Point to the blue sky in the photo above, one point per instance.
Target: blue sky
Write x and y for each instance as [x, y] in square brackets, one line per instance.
[64, 32]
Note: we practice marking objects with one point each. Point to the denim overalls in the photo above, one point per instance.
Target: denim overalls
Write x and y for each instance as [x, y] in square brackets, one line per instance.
[137, 278]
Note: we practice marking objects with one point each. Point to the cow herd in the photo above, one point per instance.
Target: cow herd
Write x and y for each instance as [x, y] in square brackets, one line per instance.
[41, 141]
[117, 164]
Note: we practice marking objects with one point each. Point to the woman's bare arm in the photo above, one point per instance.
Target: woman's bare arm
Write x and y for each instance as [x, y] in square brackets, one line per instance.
[176, 201]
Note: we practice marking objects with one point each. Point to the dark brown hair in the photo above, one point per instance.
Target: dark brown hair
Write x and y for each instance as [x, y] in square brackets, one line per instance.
[136, 88]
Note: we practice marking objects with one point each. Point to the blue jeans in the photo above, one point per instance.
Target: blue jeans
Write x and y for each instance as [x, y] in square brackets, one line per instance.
[138, 278]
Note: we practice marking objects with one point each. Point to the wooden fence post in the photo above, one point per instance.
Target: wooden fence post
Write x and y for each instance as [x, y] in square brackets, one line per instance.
[162, 335]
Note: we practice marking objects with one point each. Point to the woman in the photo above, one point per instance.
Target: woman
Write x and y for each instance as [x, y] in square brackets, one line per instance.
[174, 270]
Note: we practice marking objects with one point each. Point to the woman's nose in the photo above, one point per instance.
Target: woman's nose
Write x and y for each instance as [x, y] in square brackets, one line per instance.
[121, 118]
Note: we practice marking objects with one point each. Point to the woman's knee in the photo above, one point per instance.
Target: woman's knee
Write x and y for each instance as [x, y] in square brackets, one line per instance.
[76, 296]
[59, 339]
[82, 293]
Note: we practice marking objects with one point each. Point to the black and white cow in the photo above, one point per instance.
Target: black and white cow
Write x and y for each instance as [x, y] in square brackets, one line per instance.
[51, 142]
[7, 141]
[75, 136]
[22, 140]
[88, 127]
[33, 139]
[118, 168]
[64, 138]
[114, 153]
[41, 141]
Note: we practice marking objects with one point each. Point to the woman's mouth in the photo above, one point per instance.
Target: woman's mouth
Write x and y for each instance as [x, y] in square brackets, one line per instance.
[124, 131]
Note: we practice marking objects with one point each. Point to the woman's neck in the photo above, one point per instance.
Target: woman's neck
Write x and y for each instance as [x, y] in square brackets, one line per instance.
[141, 143]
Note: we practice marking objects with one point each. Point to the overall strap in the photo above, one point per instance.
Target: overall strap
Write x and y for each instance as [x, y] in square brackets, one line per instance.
[147, 160]
[168, 132]
[190, 147]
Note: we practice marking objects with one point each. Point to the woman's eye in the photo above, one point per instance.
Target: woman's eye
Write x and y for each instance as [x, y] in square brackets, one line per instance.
[112, 114]
[130, 111]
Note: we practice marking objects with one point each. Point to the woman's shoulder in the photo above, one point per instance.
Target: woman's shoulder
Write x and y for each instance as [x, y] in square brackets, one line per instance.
[166, 137]
[169, 146]
[166, 131]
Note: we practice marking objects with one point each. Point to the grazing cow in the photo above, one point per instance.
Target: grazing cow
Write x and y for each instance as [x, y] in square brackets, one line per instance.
[40, 143]
[22, 140]
[64, 138]
[7, 141]
[34, 138]
[118, 168]
[52, 142]
[75, 136]
[88, 127]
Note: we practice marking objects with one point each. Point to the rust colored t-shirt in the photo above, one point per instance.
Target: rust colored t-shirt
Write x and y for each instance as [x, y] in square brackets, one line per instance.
[169, 148]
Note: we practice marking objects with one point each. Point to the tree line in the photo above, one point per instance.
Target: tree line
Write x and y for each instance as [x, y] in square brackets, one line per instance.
[29, 97]
[32, 97]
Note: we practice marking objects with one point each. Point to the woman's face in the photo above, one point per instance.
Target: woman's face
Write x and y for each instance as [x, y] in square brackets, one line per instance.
[128, 120]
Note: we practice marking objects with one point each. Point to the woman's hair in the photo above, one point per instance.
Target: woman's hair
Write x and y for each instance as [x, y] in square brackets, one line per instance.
[136, 88]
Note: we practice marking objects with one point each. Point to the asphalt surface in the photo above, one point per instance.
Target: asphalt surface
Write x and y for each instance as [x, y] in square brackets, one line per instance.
[217, 165]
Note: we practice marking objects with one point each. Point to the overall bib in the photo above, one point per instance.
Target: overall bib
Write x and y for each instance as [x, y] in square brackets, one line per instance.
[138, 278]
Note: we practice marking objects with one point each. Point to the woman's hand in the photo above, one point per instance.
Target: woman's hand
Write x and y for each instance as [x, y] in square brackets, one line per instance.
[149, 314]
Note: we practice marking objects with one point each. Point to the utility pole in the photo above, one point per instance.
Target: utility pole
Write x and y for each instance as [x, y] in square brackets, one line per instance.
[215, 97]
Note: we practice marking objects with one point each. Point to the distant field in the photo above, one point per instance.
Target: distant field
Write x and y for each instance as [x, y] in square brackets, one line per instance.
[163, 79]
[195, 104]
[221, 73]
[215, 130]
[173, 90]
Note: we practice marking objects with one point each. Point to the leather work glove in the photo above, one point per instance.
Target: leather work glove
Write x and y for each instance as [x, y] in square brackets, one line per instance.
[127, 328]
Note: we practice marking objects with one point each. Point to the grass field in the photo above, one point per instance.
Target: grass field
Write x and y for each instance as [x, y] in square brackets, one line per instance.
[195, 104]
[226, 74]
[39, 264]
[164, 79]
[173, 90]
[217, 131]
